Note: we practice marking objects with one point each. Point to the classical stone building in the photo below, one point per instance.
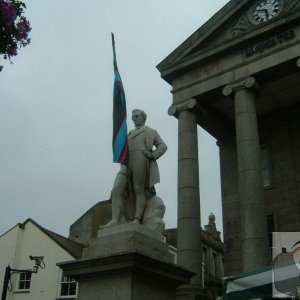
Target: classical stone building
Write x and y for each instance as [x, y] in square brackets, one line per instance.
[238, 78]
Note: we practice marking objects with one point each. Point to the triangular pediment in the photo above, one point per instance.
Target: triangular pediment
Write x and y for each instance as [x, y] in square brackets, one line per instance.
[230, 27]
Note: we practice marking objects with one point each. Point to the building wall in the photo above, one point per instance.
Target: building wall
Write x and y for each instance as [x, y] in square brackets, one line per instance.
[32, 241]
[8, 246]
[280, 133]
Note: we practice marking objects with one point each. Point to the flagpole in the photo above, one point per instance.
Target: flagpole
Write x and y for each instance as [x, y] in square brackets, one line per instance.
[114, 51]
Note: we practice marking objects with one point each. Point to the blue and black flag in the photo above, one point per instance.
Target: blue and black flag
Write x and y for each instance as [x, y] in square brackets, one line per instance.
[120, 145]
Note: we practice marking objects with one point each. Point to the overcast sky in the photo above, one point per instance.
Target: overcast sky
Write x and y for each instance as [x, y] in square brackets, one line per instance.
[56, 106]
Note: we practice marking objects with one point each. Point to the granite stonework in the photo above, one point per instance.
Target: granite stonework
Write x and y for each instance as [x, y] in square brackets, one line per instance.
[189, 248]
[253, 234]
[228, 49]
[86, 227]
[213, 247]
[129, 238]
[279, 132]
[126, 276]
[128, 261]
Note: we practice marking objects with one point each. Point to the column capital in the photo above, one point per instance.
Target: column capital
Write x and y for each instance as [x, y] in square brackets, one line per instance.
[176, 109]
[244, 83]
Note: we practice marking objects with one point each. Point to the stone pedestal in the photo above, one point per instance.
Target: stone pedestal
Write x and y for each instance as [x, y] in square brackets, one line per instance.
[126, 262]
[128, 238]
[191, 292]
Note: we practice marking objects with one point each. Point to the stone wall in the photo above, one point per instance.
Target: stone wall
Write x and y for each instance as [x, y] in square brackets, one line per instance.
[86, 227]
[280, 134]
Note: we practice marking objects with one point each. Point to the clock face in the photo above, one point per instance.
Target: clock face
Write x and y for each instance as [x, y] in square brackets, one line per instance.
[265, 10]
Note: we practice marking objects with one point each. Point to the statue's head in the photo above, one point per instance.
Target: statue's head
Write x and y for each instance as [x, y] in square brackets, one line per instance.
[139, 117]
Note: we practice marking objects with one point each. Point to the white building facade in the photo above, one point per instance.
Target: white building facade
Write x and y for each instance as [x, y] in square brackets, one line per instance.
[29, 238]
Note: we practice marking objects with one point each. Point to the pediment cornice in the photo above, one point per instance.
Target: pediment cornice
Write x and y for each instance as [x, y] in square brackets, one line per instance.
[228, 28]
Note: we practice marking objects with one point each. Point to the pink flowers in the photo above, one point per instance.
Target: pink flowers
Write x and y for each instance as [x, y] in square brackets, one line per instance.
[14, 28]
[8, 12]
[23, 27]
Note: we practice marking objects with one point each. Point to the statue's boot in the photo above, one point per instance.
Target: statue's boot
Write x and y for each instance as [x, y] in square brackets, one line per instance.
[113, 222]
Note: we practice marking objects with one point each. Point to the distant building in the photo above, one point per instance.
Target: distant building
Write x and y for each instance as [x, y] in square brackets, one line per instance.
[29, 238]
[213, 256]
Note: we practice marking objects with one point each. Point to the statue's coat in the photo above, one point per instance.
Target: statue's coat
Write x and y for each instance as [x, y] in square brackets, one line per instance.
[152, 138]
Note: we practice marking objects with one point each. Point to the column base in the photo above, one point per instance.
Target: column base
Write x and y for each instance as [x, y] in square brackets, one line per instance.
[191, 292]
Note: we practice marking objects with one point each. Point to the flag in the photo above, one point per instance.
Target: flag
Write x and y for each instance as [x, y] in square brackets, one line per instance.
[119, 142]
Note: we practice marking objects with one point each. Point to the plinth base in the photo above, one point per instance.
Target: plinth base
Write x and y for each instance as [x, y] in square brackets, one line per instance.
[128, 263]
[128, 238]
[130, 276]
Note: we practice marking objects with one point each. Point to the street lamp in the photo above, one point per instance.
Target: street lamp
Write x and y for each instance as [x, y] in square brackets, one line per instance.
[39, 263]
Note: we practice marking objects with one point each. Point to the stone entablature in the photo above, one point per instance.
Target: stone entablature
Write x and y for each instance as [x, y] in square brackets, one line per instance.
[231, 66]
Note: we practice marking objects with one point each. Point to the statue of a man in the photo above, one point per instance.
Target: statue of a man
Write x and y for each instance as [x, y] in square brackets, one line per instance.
[142, 168]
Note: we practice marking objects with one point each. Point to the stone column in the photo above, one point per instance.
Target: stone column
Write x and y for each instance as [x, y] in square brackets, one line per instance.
[253, 218]
[189, 248]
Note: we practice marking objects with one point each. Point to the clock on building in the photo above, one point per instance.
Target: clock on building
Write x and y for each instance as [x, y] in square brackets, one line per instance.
[265, 10]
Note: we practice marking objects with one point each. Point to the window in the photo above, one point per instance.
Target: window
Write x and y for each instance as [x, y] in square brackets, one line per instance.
[265, 166]
[215, 265]
[68, 287]
[24, 281]
[204, 259]
[271, 228]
